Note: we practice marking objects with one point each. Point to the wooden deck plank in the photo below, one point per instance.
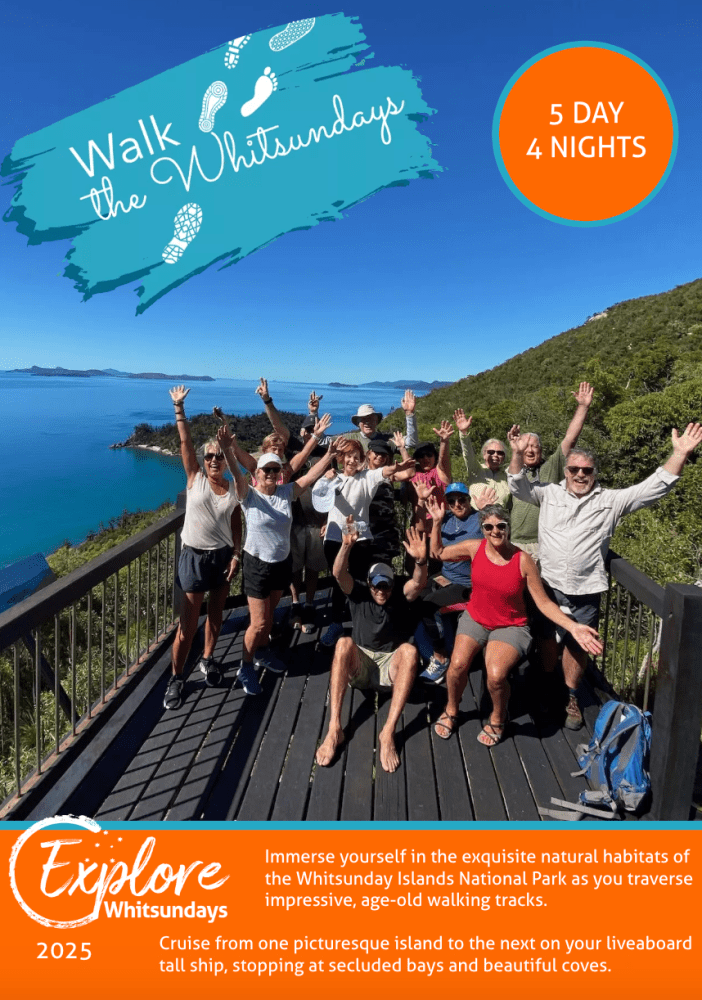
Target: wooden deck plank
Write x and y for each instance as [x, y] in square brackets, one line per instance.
[294, 788]
[451, 780]
[357, 795]
[325, 797]
[418, 760]
[390, 793]
[485, 791]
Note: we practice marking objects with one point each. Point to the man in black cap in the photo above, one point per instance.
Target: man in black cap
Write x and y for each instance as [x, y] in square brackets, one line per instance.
[378, 654]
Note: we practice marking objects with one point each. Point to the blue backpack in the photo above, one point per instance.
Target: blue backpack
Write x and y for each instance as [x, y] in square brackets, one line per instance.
[617, 758]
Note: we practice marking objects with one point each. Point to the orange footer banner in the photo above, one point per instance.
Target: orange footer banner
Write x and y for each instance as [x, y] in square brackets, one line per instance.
[278, 909]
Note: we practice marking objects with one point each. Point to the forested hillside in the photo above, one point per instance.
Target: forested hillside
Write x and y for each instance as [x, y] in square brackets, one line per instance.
[644, 358]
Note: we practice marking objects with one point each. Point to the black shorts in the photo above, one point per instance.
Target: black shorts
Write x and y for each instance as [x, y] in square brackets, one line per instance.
[261, 578]
[582, 608]
[200, 570]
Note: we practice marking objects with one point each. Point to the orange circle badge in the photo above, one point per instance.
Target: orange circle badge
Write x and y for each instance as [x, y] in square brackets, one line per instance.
[585, 134]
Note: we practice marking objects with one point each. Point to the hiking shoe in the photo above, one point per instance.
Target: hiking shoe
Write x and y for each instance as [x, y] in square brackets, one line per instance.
[249, 680]
[265, 657]
[434, 673]
[332, 635]
[574, 717]
[295, 616]
[173, 697]
[211, 670]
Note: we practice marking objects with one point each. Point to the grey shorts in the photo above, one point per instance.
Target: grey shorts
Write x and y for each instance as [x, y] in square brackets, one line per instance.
[307, 548]
[517, 636]
[373, 670]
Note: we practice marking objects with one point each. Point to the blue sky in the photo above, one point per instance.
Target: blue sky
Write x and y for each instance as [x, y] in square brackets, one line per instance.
[437, 280]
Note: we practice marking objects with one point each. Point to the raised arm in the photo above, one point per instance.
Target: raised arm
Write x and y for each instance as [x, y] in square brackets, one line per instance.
[408, 404]
[271, 412]
[437, 511]
[473, 468]
[443, 465]
[683, 447]
[422, 493]
[226, 443]
[313, 404]
[318, 469]
[583, 398]
[587, 638]
[340, 569]
[187, 449]
[416, 548]
[393, 470]
[517, 443]
[243, 456]
[315, 438]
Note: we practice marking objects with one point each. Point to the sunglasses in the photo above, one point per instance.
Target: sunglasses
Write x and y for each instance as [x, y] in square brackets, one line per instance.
[270, 470]
[381, 586]
[500, 526]
[457, 498]
[587, 470]
[490, 451]
[211, 456]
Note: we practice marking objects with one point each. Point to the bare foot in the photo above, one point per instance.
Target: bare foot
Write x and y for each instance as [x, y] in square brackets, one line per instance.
[389, 759]
[327, 751]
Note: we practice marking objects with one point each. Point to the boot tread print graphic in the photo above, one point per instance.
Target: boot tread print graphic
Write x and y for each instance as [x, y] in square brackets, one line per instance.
[291, 34]
[186, 226]
[215, 97]
[231, 56]
[263, 88]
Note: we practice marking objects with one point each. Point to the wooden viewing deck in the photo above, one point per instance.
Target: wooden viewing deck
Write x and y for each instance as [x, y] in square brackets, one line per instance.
[226, 756]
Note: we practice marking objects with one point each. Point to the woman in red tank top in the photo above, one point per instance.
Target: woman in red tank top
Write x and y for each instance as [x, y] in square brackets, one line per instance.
[496, 619]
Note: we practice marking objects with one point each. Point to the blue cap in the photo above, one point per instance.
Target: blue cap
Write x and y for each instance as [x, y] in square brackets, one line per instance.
[456, 488]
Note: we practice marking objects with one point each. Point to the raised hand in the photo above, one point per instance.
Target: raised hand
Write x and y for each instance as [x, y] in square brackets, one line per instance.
[322, 424]
[462, 421]
[436, 509]
[349, 532]
[398, 439]
[225, 438]
[313, 403]
[262, 389]
[408, 401]
[334, 445]
[517, 441]
[445, 431]
[220, 415]
[685, 444]
[178, 393]
[415, 544]
[423, 490]
[583, 396]
[484, 498]
[408, 463]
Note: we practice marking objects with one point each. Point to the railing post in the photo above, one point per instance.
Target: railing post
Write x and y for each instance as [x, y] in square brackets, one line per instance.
[677, 716]
[177, 592]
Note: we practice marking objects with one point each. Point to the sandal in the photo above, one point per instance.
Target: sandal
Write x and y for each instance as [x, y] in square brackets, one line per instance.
[295, 616]
[448, 726]
[490, 738]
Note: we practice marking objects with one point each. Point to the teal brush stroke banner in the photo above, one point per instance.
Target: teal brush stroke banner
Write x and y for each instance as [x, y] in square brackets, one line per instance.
[206, 163]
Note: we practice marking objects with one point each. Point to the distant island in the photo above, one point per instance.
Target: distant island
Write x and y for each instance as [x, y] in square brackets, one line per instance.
[107, 373]
[399, 384]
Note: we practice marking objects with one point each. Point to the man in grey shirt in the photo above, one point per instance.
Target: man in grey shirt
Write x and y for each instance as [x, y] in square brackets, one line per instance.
[576, 522]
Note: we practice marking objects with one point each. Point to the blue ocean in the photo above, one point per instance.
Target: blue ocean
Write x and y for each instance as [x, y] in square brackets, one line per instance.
[61, 480]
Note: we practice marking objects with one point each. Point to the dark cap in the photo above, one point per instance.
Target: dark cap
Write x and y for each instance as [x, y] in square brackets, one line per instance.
[380, 447]
[426, 447]
[308, 423]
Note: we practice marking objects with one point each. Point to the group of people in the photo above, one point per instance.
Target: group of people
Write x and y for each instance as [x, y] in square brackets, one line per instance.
[474, 550]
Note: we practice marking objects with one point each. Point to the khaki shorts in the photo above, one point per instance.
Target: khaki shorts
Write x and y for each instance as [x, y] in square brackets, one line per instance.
[531, 549]
[307, 548]
[517, 636]
[373, 669]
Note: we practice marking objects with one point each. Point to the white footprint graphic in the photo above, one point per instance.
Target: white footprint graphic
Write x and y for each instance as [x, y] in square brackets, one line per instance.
[265, 85]
[231, 56]
[215, 97]
[186, 226]
[293, 33]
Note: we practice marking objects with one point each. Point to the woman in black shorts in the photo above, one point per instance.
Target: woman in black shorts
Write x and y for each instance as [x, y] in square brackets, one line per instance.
[211, 543]
[267, 558]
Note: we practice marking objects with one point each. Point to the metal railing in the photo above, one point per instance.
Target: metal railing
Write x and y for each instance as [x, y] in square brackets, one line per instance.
[67, 649]
[631, 628]
[652, 657]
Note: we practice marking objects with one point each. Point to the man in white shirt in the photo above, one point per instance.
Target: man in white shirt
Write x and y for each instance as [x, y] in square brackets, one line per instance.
[576, 522]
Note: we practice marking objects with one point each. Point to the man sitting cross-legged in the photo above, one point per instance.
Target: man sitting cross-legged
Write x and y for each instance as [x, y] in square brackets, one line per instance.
[378, 655]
